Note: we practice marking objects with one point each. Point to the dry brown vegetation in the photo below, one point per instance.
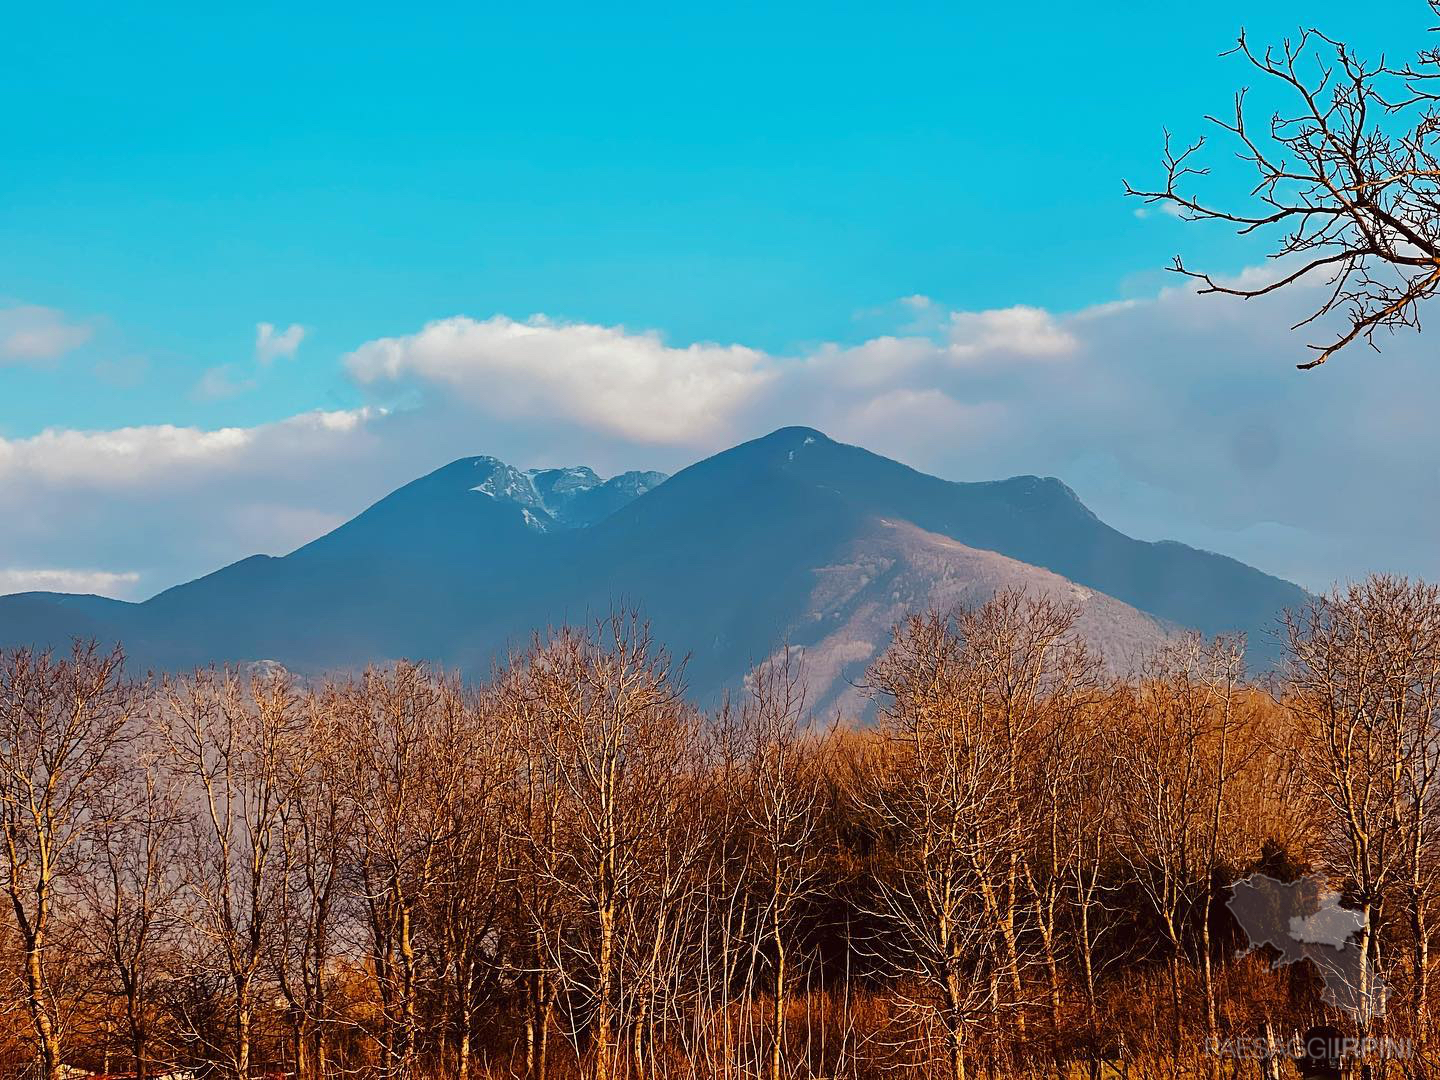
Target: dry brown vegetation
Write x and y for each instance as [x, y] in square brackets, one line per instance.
[1019, 869]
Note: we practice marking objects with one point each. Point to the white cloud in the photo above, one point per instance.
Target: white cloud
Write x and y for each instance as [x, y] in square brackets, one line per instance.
[169, 503]
[33, 333]
[99, 582]
[628, 385]
[271, 345]
[1175, 415]
[136, 456]
[219, 383]
[910, 421]
[1180, 415]
[873, 364]
[1020, 331]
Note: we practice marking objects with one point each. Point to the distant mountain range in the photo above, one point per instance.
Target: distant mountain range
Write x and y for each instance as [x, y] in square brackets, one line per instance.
[791, 537]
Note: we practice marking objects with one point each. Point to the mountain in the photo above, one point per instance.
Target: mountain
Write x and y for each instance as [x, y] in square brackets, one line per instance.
[894, 568]
[791, 537]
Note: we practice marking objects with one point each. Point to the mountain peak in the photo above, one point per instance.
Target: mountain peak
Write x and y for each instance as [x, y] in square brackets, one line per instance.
[507, 483]
[562, 482]
[779, 448]
[568, 497]
[789, 438]
[775, 539]
[1050, 488]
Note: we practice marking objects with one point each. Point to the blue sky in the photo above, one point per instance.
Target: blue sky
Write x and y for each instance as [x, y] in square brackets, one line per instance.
[760, 175]
[774, 177]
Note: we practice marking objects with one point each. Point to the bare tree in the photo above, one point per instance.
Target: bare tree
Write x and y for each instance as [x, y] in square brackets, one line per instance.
[1026, 670]
[403, 746]
[314, 829]
[942, 804]
[780, 799]
[661, 919]
[61, 723]
[1365, 681]
[463, 916]
[533, 835]
[1064, 787]
[228, 738]
[134, 885]
[611, 724]
[724, 1037]
[403, 876]
[1004, 680]
[1087, 792]
[1179, 759]
[1346, 183]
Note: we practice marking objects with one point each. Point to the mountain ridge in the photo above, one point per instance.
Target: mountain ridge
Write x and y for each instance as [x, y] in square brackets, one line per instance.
[724, 557]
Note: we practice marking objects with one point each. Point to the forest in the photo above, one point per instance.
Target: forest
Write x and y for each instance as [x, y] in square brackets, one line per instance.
[1018, 864]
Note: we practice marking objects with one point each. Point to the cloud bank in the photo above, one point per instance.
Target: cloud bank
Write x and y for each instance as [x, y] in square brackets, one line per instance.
[1173, 416]
[99, 582]
[626, 385]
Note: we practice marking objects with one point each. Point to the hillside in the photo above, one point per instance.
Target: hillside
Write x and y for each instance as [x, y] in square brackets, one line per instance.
[791, 537]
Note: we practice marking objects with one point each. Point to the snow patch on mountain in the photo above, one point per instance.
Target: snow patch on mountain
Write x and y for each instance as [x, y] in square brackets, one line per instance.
[570, 497]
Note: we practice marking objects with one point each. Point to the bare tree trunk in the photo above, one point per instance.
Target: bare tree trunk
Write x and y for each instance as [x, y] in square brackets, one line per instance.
[605, 973]
[533, 1022]
[530, 1043]
[1053, 971]
[777, 1048]
[386, 1066]
[542, 1053]
[137, 1036]
[637, 1042]
[242, 1027]
[1270, 1068]
[1012, 951]
[1087, 968]
[1175, 1004]
[408, 1023]
[1363, 990]
[462, 1071]
[1420, 969]
[300, 1037]
[954, 999]
[1207, 977]
[47, 1038]
[541, 1000]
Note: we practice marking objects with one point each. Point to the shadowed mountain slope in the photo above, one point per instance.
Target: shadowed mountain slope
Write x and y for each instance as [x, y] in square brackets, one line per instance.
[791, 537]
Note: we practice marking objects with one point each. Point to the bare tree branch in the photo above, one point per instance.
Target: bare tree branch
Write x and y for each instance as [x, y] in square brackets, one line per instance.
[1347, 184]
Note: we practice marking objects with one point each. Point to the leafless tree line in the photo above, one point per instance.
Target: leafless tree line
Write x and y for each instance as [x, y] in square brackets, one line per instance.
[1019, 867]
